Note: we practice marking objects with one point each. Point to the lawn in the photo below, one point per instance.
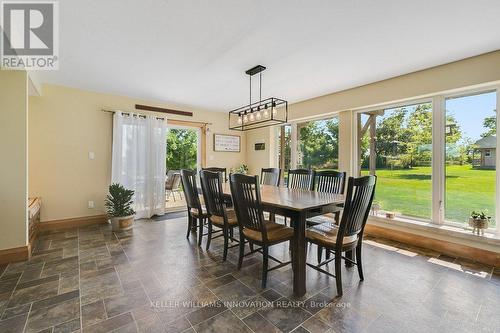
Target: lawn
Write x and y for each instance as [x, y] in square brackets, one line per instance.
[408, 191]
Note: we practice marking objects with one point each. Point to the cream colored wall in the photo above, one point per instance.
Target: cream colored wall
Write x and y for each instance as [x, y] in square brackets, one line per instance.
[261, 158]
[14, 165]
[469, 72]
[66, 124]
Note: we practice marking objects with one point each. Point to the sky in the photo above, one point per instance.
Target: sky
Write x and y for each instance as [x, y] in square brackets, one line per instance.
[470, 112]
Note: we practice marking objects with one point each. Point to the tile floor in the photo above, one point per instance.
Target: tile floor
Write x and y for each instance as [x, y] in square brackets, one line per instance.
[153, 279]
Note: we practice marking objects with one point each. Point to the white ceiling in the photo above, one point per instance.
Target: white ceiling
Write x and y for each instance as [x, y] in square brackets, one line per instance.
[193, 53]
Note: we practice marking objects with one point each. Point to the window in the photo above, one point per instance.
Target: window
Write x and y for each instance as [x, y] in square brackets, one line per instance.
[317, 144]
[396, 145]
[470, 161]
[284, 150]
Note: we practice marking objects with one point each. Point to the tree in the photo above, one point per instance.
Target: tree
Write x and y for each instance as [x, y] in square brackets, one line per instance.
[490, 123]
[182, 145]
[319, 144]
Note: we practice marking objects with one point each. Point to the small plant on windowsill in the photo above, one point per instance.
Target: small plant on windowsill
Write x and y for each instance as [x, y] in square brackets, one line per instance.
[119, 207]
[242, 169]
[479, 221]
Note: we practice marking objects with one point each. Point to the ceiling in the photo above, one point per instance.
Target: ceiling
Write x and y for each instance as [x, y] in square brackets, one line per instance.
[193, 53]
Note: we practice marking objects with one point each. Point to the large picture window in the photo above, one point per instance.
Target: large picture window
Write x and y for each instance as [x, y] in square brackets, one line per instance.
[470, 161]
[395, 144]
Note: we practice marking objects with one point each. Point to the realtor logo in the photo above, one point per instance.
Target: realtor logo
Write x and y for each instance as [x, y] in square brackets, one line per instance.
[30, 35]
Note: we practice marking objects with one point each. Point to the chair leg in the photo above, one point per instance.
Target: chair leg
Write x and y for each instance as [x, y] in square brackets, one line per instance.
[231, 233]
[320, 254]
[209, 239]
[173, 195]
[349, 254]
[251, 246]
[265, 254]
[226, 242]
[190, 219]
[200, 230]
[358, 262]
[242, 252]
[327, 254]
[338, 272]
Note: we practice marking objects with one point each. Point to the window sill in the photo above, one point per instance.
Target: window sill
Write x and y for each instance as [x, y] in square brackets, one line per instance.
[488, 241]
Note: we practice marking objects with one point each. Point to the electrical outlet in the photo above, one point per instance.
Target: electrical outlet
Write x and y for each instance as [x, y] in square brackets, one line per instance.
[91, 204]
[91, 155]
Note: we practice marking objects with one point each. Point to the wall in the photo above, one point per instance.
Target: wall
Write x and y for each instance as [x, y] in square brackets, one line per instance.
[464, 73]
[261, 158]
[66, 124]
[14, 165]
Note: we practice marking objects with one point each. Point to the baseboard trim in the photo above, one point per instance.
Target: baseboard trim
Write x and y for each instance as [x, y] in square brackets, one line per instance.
[15, 254]
[445, 247]
[71, 223]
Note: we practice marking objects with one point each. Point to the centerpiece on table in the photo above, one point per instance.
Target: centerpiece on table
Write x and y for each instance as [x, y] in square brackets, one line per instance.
[479, 221]
[119, 207]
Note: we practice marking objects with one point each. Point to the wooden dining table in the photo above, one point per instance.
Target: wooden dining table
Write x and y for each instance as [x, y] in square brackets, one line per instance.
[298, 205]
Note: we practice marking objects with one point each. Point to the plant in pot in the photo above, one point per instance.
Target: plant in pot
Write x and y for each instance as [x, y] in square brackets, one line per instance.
[478, 221]
[243, 169]
[118, 206]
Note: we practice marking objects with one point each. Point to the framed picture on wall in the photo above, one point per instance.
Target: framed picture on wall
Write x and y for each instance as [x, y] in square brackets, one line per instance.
[230, 143]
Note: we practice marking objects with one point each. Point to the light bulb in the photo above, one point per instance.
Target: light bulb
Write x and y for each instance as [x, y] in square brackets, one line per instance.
[258, 115]
[245, 118]
[251, 117]
[274, 111]
[266, 114]
[239, 120]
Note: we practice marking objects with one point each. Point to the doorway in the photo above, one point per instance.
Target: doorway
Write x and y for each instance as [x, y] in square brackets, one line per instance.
[184, 151]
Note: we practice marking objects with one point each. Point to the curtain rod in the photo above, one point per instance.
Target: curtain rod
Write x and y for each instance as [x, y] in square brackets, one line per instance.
[129, 113]
[159, 118]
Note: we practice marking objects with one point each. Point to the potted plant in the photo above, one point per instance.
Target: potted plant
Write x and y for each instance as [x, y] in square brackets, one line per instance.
[478, 221]
[243, 169]
[118, 206]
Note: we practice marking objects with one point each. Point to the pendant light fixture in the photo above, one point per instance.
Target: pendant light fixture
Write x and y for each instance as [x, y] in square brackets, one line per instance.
[268, 112]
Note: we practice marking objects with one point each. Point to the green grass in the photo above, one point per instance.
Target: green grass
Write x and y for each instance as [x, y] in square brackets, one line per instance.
[409, 191]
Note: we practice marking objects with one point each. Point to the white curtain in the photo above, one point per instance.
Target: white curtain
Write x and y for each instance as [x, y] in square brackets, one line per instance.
[139, 160]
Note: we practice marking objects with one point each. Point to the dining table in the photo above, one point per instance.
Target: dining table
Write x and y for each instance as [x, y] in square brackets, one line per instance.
[297, 205]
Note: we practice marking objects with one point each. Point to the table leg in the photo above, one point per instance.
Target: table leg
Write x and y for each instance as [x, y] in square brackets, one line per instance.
[299, 272]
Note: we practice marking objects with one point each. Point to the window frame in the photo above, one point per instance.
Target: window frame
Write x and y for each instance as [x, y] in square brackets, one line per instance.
[438, 102]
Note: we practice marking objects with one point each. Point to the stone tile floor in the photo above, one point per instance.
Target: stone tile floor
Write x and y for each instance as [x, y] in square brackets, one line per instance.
[153, 279]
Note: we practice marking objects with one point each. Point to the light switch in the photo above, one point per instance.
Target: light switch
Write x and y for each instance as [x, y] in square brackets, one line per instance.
[91, 155]
[91, 204]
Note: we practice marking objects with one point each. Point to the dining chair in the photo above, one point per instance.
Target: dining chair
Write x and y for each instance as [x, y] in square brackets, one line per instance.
[196, 211]
[216, 169]
[270, 176]
[253, 227]
[300, 179]
[328, 181]
[218, 214]
[348, 235]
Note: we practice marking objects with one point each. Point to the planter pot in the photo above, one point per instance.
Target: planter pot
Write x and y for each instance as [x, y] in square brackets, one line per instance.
[122, 223]
[478, 225]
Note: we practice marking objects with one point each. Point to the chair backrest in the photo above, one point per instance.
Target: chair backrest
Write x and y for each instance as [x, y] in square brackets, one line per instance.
[329, 181]
[211, 185]
[216, 169]
[245, 191]
[359, 197]
[190, 189]
[300, 179]
[270, 176]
